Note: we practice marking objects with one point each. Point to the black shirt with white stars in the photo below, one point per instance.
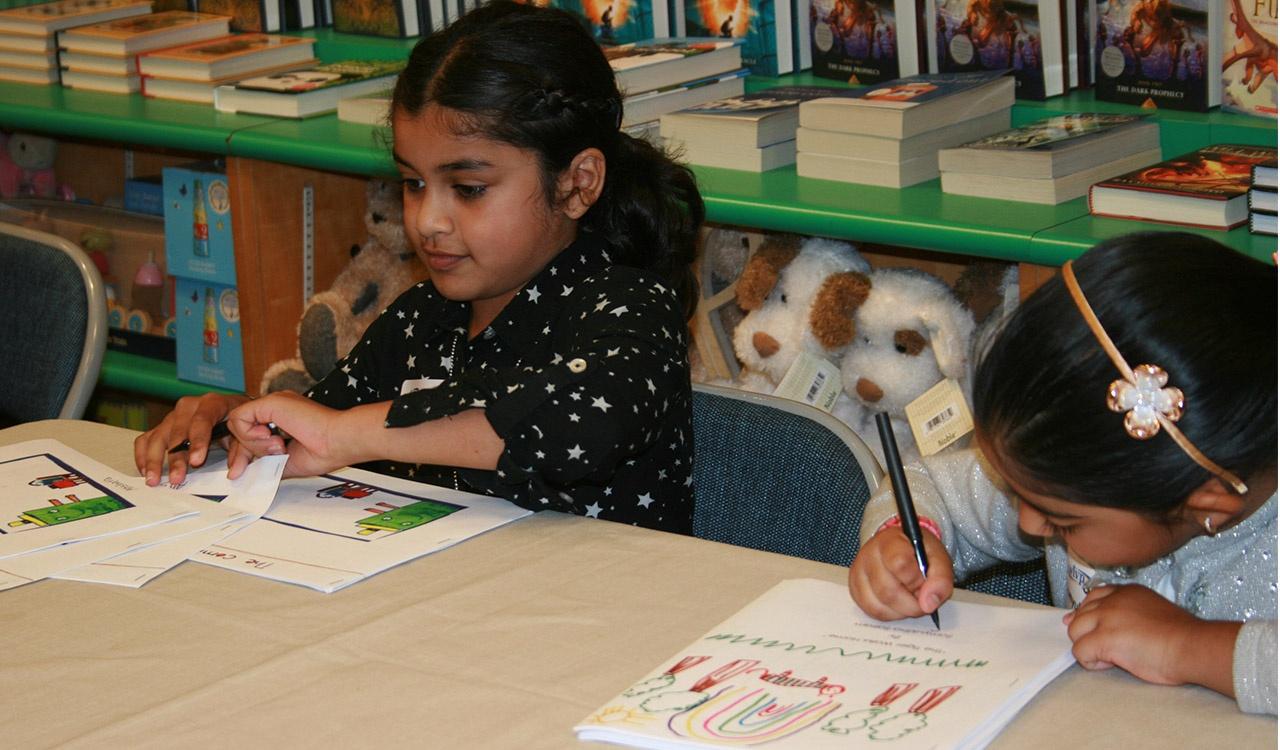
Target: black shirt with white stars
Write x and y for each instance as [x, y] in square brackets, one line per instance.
[584, 374]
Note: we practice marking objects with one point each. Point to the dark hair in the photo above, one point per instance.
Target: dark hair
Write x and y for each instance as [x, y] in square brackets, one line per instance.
[534, 78]
[1203, 312]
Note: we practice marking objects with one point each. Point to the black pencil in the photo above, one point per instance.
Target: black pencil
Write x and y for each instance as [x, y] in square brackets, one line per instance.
[220, 430]
[902, 494]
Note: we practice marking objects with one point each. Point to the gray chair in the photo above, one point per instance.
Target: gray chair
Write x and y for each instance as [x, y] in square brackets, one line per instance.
[777, 475]
[53, 326]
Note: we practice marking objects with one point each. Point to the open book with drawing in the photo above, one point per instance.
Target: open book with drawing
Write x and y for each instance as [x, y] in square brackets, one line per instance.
[803, 667]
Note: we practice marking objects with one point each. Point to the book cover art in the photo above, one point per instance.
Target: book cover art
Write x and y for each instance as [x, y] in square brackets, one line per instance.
[372, 17]
[763, 25]
[246, 15]
[324, 76]
[228, 48]
[857, 40]
[651, 52]
[1249, 57]
[1052, 133]
[1216, 172]
[615, 21]
[141, 26]
[994, 35]
[1154, 53]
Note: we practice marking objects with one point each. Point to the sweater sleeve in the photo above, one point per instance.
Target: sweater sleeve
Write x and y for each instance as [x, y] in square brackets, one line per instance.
[1254, 667]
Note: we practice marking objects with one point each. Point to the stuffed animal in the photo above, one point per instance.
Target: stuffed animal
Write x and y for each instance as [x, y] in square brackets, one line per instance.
[912, 333]
[333, 320]
[722, 256]
[799, 294]
[26, 166]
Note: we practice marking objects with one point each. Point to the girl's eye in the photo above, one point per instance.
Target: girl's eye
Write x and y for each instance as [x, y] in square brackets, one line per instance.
[1056, 530]
[470, 191]
[413, 184]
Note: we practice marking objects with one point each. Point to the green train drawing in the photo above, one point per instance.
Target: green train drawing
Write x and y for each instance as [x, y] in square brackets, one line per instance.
[73, 509]
[406, 517]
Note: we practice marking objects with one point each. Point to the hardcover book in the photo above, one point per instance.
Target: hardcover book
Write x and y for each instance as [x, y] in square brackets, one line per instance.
[1045, 190]
[764, 26]
[749, 121]
[650, 105]
[909, 106]
[1207, 188]
[1249, 68]
[654, 63]
[865, 41]
[1264, 174]
[46, 18]
[192, 90]
[900, 149]
[1160, 53]
[1025, 37]
[246, 15]
[621, 21]
[224, 57]
[374, 109]
[309, 91]
[1055, 146]
[389, 18]
[129, 36]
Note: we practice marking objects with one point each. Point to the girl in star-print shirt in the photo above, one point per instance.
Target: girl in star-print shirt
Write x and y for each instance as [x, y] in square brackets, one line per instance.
[545, 359]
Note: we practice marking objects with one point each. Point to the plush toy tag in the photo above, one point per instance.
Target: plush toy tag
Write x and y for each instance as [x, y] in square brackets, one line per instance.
[813, 380]
[939, 417]
[420, 384]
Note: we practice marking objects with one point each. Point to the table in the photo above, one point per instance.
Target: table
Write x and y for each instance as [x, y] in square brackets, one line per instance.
[504, 641]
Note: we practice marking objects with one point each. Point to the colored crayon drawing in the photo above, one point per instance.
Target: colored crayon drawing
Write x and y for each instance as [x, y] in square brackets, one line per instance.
[45, 492]
[353, 510]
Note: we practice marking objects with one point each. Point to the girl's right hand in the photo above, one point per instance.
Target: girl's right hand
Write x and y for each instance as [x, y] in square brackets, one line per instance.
[885, 579]
[192, 418]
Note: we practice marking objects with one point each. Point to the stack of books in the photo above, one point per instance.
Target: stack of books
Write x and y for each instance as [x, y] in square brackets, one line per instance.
[307, 91]
[1208, 188]
[190, 72]
[104, 56]
[1262, 198]
[753, 132]
[1051, 160]
[664, 75]
[890, 135]
[28, 49]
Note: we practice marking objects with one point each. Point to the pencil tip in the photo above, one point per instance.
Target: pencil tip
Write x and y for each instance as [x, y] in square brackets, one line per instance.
[936, 624]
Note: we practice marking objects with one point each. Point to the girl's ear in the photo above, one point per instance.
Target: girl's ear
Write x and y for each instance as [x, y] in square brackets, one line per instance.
[580, 184]
[1215, 502]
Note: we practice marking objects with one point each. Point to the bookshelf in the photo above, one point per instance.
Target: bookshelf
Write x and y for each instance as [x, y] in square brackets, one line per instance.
[270, 162]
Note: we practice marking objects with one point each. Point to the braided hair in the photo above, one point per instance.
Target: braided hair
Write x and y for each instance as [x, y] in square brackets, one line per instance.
[535, 79]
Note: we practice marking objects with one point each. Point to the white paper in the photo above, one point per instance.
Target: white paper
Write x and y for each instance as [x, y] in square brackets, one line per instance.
[239, 502]
[54, 497]
[330, 531]
[803, 667]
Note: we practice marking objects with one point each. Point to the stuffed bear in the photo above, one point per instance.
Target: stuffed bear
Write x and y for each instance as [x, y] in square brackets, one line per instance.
[722, 256]
[799, 295]
[26, 166]
[912, 332]
[333, 320]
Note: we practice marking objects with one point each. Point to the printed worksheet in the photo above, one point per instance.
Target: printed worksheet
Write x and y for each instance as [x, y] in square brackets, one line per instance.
[803, 667]
[331, 531]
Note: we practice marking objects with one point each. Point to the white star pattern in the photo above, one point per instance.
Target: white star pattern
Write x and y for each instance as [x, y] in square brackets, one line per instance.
[408, 332]
[576, 452]
[599, 403]
[645, 500]
[618, 311]
[411, 362]
[534, 294]
[593, 510]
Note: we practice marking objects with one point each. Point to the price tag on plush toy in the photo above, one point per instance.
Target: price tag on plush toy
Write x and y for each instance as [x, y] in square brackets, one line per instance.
[939, 417]
[810, 379]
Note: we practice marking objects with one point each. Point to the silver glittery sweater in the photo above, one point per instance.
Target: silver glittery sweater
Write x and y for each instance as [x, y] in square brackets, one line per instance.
[1228, 576]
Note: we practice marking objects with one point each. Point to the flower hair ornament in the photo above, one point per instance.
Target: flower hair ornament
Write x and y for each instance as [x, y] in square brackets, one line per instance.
[1148, 402]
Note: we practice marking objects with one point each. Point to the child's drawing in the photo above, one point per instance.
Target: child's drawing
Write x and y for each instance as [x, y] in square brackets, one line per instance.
[43, 491]
[354, 510]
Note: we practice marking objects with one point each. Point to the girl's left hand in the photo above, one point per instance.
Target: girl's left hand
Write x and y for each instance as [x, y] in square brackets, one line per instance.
[1136, 629]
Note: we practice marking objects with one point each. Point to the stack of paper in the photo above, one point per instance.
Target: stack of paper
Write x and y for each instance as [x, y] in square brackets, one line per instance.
[803, 667]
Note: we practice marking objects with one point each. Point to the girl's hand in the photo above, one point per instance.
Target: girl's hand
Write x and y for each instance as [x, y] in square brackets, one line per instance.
[313, 434]
[1136, 629]
[192, 419]
[885, 580]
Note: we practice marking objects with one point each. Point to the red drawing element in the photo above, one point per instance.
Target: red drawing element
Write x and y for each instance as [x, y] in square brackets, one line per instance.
[58, 481]
[932, 698]
[1258, 53]
[686, 663]
[716, 676]
[347, 491]
[375, 510]
[895, 691]
[70, 499]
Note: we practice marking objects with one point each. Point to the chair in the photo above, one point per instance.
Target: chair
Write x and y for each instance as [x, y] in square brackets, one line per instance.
[778, 475]
[53, 326]
[781, 476]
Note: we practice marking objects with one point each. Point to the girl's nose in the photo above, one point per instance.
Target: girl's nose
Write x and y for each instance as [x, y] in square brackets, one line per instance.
[431, 219]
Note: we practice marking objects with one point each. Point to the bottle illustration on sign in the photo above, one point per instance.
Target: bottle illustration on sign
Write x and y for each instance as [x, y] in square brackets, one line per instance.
[200, 223]
[210, 328]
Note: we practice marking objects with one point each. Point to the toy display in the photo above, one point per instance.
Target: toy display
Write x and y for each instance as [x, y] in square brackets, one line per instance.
[26, 166]
[333, 320]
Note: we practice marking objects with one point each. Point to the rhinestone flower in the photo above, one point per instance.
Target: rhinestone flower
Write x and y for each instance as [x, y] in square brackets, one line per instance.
[1144, 400]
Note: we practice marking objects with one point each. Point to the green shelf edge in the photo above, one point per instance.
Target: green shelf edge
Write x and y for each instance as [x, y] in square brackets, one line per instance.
[148, 377]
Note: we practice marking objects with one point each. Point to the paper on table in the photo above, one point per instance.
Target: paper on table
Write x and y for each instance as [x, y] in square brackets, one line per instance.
[244, 499]
[330, 531]
[54, 495]
[803, 667]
